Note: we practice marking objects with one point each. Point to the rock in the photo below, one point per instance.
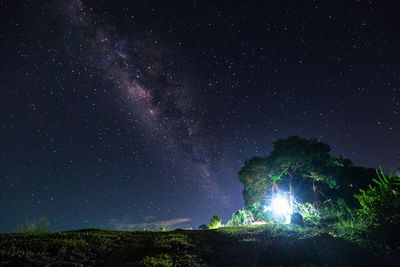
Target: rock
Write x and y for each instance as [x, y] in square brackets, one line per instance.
[296, 218]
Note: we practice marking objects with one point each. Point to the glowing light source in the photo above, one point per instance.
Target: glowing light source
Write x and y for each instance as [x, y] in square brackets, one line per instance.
[280, 207]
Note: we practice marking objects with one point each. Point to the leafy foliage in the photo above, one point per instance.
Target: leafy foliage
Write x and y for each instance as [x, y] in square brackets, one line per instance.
[310, 213]
[350, 179]
[214, 223]
[308, 158]
[329, 212]
[257, 180]
[242, 217]
[380, 204]
[293, 162]
[297, 163]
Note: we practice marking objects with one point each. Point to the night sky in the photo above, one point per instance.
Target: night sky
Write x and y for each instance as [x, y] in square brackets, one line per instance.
[139, 114]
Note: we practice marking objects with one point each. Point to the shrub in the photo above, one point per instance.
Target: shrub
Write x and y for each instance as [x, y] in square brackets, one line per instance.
[242, 217]
[214, 223]
[309, 212]
[380, 204]
[337, 213]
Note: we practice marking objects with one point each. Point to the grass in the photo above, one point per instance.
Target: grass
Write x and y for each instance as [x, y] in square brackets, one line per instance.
[58, 248]
[261, 245]
[287, 245]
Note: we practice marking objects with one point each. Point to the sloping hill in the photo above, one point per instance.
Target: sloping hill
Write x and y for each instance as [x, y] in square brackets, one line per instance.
[265, 245]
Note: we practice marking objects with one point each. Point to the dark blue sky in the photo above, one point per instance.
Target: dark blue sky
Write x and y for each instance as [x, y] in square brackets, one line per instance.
[134, 114]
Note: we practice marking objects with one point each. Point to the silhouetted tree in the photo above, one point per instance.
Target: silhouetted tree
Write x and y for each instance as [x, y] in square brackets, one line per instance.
[292, 162]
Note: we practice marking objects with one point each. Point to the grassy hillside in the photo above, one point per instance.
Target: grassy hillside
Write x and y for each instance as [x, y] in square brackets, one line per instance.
[272, 245]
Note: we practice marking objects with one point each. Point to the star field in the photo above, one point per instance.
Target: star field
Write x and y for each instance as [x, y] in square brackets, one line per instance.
[116, 113]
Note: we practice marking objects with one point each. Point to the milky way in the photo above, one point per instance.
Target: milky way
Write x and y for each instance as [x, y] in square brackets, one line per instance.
[144, 72]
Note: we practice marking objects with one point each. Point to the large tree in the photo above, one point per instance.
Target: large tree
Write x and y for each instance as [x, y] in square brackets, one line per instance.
[297, 160]
[292, 162]
[351, 179]
[257, 180]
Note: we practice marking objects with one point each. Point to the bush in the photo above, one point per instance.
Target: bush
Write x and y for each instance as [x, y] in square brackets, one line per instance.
[242, 217]
[214, 223]
[327, 213]
[380, 209]
[336, 213]
[310, 213]
[380, 204]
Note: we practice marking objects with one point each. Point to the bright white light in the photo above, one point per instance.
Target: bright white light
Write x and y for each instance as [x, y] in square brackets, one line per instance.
[280, 208]
[280, 205]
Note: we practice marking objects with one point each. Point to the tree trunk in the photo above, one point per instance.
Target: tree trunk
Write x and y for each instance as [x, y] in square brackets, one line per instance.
[314, 192]
[290, 194]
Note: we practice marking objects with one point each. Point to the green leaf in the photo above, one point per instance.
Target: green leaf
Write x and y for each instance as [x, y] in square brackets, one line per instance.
[377, 182]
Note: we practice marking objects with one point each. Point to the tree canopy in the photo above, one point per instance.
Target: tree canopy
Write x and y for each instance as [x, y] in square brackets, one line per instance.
[292, 163]
[256, 178]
